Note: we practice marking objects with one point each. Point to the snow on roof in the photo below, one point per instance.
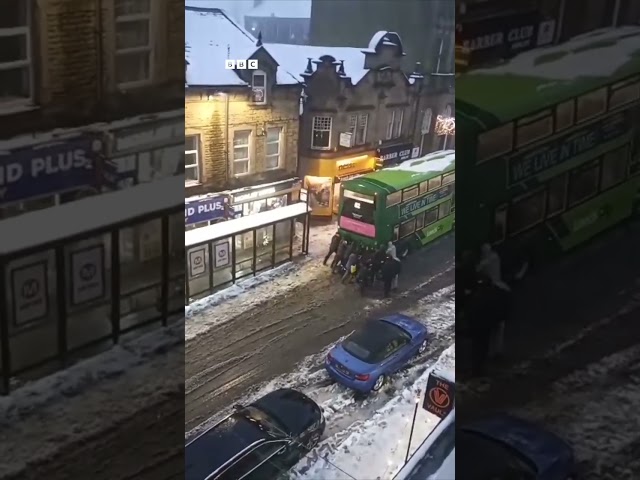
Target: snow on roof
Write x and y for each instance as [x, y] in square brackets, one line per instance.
[92, 213]
[596, 54]
[211, 37]
[282, 9]
[375, 40]
[220, 230]
[294, 58]
[432, 162]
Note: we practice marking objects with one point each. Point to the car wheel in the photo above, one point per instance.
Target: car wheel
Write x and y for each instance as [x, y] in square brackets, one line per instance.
[379, 383]
[422, 348]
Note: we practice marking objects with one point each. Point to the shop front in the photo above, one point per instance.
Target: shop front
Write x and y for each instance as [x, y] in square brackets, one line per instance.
[42, 175]
[206, 210]
[141, 150]
[324, 187]
[144, 149]
[263, 198]
[395, 154]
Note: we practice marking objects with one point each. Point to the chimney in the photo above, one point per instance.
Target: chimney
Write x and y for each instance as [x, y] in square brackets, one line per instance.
[259, 42]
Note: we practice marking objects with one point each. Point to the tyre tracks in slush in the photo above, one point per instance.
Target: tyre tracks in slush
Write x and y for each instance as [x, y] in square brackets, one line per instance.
[224, 363]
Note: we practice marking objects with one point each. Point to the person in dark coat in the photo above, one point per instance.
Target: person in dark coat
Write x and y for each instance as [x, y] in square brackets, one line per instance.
[483, 322]
[340, 252]
[333, 246]
[379, 257]
[389, 272]
[351, 247]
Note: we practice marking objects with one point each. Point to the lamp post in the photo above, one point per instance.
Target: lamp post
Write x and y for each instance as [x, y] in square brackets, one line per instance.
[413, 424]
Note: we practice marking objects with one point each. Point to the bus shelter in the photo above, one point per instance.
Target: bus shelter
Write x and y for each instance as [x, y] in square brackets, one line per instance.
[219, 255]
[79, 276]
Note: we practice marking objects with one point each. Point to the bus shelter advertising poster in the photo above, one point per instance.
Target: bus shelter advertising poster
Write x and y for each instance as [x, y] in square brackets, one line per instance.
[320, 195]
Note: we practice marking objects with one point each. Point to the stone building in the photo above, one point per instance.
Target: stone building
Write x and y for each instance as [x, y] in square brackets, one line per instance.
[361, 111]
[101, 78]
[242, 124]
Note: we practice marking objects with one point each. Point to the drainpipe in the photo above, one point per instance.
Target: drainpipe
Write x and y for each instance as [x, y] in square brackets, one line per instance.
[100, 52]
[560, 20]
[226, 135]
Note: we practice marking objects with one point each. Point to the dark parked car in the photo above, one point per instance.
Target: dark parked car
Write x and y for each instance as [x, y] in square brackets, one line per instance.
[260, 441]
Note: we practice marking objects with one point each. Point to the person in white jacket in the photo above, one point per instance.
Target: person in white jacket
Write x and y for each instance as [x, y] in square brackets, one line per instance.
[391, 251]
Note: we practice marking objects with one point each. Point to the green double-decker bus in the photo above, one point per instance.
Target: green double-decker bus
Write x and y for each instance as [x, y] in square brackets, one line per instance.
[410, 204]
[550, 145]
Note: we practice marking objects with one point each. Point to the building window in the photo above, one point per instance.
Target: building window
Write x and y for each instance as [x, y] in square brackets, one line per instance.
[361, 129]
[394, 124]
[241, 155]
[259, 87]
[192, 159]
[273, 149]
[427, 119]
[133, 42]
[321, 135]
[15, 59]
[583, 183]
[494, 143]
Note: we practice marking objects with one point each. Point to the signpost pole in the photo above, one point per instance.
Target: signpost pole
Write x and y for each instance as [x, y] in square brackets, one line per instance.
[413, 424]
[61, 299]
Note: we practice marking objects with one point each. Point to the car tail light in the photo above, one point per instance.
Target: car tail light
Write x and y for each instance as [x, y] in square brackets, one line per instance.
[363, 378]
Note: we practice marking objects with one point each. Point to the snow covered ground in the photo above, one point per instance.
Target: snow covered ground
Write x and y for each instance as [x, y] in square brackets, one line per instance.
[595, 410]
[43, 416]
[261, 288]
[350, 417]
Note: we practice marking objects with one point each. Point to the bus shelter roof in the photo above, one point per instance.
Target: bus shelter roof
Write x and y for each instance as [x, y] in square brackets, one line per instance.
[71, 220]
[221, 230]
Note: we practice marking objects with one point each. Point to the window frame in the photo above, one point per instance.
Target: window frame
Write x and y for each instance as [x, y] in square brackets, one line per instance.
[604, 91]
[405, 192]
[412, 220]
[594, 165]
[434, 183]
[361, 127]
[397, 128]
[427, 121]
[633, 87]
[624, 152]
[254, 75]
[26, 63]
[446, 176]
[197, 181]
[394, 203]
[148, 49]
[496, 153]
[540, 191]
[248, 145]
[278, 142]
[533, 121]
[572, 116]
[435, 210]
[314, 130]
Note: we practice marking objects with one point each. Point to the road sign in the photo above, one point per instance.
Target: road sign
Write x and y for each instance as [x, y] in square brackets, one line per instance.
[440, 396]
[30, 293]
[197, 262]
[87, 275]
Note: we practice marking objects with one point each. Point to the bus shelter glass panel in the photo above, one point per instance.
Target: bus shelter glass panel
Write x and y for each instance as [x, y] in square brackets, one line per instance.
[88, 291]
[199, 264]
[140, 273]
[222, 263]
[176, 263]
[283, 240]
[244, 243]
[31, 310]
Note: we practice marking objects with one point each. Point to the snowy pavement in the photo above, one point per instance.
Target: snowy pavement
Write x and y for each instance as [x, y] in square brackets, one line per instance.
[48, 416]
[267, 330]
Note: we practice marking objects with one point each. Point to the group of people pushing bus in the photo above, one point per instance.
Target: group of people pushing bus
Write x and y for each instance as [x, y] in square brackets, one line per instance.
[364, 264]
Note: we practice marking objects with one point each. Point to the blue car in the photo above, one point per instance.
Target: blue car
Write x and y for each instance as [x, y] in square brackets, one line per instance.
[364, 360]
[508, 447]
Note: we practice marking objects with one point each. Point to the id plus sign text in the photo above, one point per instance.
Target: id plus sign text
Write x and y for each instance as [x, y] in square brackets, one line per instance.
[241, 64]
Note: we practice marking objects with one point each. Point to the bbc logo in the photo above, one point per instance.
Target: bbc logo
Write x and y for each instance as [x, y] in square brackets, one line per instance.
[241, 64]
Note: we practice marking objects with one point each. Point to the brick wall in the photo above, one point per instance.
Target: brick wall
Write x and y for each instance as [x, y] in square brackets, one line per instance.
[73, 51]
[205, 115]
